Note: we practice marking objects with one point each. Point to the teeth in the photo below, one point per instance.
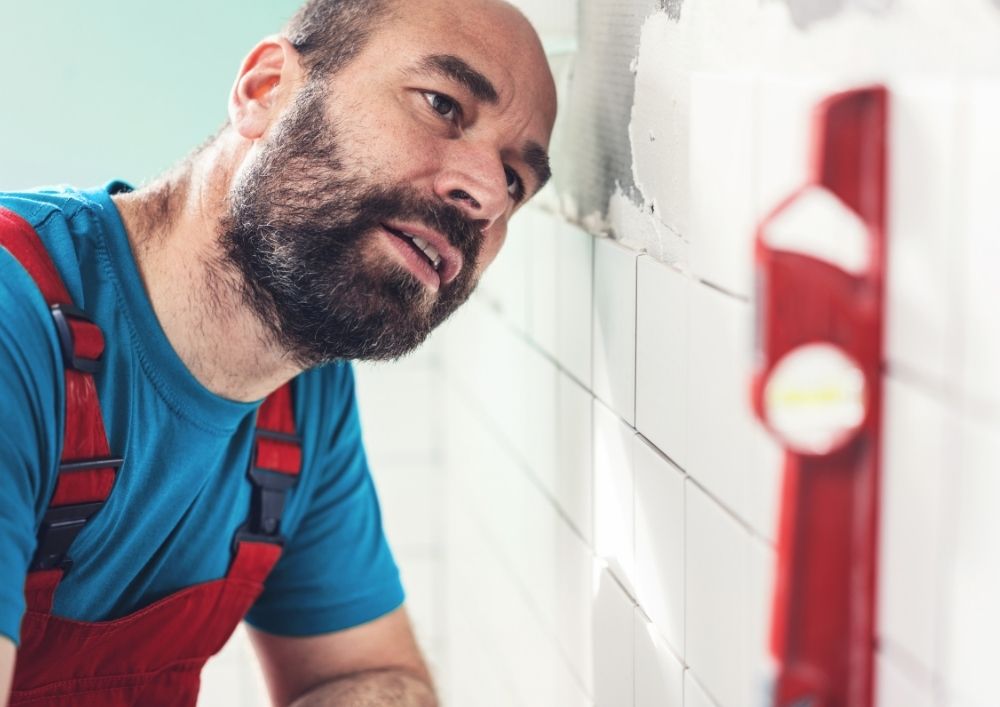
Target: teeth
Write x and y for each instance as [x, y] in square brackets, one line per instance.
[427, 248]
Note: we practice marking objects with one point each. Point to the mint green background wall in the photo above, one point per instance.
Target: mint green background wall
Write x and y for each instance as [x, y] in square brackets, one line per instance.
[96, 90]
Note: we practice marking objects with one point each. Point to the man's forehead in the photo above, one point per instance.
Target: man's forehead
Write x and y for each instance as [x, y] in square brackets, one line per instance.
[491, 35]
[495, 39]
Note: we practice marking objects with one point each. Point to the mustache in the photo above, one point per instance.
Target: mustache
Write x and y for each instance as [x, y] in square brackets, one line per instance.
[404, 204]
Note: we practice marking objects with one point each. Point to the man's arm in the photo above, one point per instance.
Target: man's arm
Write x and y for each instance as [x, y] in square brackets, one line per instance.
[8, 653]
[377, 663]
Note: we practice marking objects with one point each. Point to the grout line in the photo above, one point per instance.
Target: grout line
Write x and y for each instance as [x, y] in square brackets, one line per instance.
[497, 433]
[660, 453]
[755, 534]
[723, 290]
[635, 338]
[495, 547]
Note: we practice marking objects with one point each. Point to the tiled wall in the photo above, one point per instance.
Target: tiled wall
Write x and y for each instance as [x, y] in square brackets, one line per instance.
[611, 502]
[578, 494]
[609, 496]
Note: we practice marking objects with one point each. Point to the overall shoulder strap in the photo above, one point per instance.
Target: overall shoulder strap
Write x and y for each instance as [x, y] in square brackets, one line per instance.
[86, 467]
[275, 462]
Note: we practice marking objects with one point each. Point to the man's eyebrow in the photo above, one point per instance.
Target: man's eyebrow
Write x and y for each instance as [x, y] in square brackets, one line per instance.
[535, 156]
[459, 70]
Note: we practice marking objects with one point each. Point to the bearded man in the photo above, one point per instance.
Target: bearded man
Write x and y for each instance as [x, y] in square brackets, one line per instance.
[177, 412]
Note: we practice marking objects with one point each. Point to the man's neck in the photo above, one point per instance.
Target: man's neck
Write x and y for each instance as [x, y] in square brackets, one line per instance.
[172, 227]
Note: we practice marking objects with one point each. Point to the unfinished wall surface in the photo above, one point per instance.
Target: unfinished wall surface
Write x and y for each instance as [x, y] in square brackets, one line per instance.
[611, 500]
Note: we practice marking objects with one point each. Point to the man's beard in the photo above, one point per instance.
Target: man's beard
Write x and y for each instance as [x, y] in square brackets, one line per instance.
[298, 232]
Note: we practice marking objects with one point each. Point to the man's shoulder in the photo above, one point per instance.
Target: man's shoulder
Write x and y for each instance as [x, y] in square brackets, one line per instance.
[38, 206]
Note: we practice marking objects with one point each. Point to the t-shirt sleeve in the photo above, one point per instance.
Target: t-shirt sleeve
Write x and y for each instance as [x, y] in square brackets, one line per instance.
[29, 429]
[336, 570]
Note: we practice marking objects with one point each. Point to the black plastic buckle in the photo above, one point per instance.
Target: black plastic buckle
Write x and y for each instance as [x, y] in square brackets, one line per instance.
[267, 504]
[61, 314]
[60, 526]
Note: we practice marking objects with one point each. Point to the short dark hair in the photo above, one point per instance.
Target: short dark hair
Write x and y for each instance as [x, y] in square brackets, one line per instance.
[329, 33]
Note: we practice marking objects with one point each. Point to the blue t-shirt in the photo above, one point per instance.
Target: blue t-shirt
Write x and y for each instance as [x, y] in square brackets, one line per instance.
[182, 491]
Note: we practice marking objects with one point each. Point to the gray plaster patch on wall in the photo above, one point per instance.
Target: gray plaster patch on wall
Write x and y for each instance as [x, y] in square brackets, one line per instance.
[806, 12]
[673, 9]
[598, 153]
[997, 3]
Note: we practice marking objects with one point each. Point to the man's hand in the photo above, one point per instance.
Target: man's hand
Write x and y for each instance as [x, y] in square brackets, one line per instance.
[380, 688]
[8, 654]
[377, 664]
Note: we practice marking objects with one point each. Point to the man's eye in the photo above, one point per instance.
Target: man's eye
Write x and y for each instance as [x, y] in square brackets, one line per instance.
[515, 187]
[442, 105]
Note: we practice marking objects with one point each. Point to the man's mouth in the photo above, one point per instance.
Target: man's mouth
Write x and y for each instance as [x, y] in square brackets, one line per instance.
[420, 246]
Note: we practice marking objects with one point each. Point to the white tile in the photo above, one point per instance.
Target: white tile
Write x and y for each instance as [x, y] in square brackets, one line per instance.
[614, 663]
[614, 326]
[923, 320]
[694, 693]
[505, 284]
[572, 602]
[659, 674]
[980, 203]
[763, 488]
[761, 665]
[716, 604]
[472, 675]
[423, 580]
[971, 609]
[719, 365]
[392, 403]
[573, 484]
[233, 676]
[554, 573]
[659, 542]
[614, 491]
[575, 284]
[505, 623]
[463, 346]
[895, 688]
[785, 107]
[535, 416]
[483, 474]
[919, 446]
[661, 357]
[729, 453]
[545, 557]
[479, 345]
[722, 172]
[410, 497]
[543, 268]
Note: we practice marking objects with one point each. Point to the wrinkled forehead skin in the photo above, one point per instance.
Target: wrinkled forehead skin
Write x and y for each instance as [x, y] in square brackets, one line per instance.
[491, 36]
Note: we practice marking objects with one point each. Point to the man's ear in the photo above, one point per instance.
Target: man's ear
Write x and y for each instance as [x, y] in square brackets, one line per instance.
[269, 76]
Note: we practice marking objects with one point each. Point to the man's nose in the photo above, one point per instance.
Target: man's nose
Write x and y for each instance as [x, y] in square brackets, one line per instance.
[474, 180]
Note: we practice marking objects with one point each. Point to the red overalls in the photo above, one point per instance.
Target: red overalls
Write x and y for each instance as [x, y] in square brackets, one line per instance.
[155, 655]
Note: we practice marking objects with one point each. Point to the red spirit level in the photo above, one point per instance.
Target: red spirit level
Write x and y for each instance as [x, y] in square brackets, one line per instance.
[820, 259]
